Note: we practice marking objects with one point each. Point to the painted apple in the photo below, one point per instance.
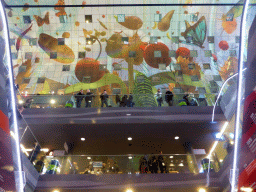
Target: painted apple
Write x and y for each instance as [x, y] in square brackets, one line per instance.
[88, 67]
[151, 52]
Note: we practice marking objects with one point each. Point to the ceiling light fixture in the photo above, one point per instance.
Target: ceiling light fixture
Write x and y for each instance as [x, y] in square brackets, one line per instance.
[89, 158]
[129, 190]
[218, 135]
[129, 157]
[201, 190]
[21, 102]
[246, 189]
[44, 150]
[129, 138]
[23, 149]
[82, 139]
[176, 137]
[216, 142]
[171, 157]
[52, 101]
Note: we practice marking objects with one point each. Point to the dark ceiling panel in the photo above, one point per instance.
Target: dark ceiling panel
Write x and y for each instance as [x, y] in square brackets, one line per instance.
[111, 139]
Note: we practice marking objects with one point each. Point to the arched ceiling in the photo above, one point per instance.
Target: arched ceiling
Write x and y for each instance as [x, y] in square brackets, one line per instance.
[193, 48]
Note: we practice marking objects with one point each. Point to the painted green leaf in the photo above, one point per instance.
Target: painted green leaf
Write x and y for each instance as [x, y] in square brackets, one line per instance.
[107, 79]
[143, 92]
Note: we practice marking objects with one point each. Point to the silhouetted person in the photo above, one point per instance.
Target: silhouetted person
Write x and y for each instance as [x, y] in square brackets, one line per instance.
[88, 98]
[143, 166]
[160, 163]
[154, 165]
[185, 97]
[118, 99]
[130, 101]
[40, 165]
[123, 103]
[28, 103]
[104, 98]
[169, 97]
[193, 101]
[159, 97]
[79, 98]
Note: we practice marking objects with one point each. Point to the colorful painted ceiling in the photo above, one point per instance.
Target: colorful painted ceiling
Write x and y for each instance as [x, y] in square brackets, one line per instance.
[123, 49]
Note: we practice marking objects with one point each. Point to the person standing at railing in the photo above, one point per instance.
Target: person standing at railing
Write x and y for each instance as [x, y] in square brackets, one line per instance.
[130, 101]
[185, 97]
[193, 100]
[79, 98]
[159, 97]
[88, 98]
[39, 166]
[202, 99]
[124, 101]
[28, 103]
[104, 98]
[118, 100]
[143, 166]
[154, 164]
[169, 97]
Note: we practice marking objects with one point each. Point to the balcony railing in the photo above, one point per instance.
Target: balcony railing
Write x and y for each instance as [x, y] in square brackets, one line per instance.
[121, 164]
[141, 100]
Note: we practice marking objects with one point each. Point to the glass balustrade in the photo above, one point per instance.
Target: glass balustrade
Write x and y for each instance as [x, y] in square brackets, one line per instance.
[71, 101]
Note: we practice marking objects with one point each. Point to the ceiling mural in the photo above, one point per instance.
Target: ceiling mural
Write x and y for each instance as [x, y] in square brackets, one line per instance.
[123, 49]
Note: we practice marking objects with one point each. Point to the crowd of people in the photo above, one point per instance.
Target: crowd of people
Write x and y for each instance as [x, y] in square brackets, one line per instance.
[154, 164]
[127, 100]
[188, 99]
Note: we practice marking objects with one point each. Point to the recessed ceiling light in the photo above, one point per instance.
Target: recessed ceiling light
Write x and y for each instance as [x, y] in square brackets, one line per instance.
[82, 139]
[171, 157]
[129, 157]
[89, 158]
[176, 137]
[129, 138]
